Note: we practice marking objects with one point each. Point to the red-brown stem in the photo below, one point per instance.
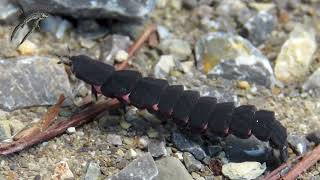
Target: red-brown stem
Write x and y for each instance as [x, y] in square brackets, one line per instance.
[309, 160]
[59, 128]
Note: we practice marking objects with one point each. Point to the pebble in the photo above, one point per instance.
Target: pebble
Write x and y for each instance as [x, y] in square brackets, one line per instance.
[313, 82]
[245, 170]
[131, 154]
[314, 137]
[55, 25]
[143, 167]
[296, 55]
[125, 125]
[251, 149]
[5, 130]
[191, 163]
[180, 49]
[27, 48]
[32, 81]
[93, 172]
[113, 44]
[143, 142]
[299, 143]
[172, 168]
[259, 27]
[163, 67]
[62, 171]
[185, 144]
[152, 133]
[121, 56]
[163, 32]
[234, 8]
[71, 130]
[95, 9]
[243, 85]
[157, 148]
[114, 139]
[233, 57]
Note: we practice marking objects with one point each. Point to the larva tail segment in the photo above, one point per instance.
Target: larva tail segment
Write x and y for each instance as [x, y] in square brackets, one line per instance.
[185, 107]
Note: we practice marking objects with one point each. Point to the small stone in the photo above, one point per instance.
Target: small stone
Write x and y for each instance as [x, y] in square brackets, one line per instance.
[259, 27]
[190, 3]
[180, 49]
[114, 139]
[113, 44]
[121, 56]
[71, 130]
[125, 125]
[233, 57]
[178, 155]
[191, 163]
[162, 3]
[87, 43]
[243, 85]
[5, 131]
[172, 168]
[296, 55]
[157, 148]
[234, 8]
[55, 25]
[120, 153]
[143, 167]
[314, 137]
[143, 142]
[185, 144]
[131, 154]
[176, 4]
[27, 48]
[16, 126]
[245, 170]
[62, 171]
[165, 64]
[195, 175]
[299, 143]
[93, 172]
[163, 32]
[313, 82]
[152, 133]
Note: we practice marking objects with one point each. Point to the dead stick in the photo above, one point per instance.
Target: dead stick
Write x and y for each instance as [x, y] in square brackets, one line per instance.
[309, 160]
[59, 128]
[44, 123]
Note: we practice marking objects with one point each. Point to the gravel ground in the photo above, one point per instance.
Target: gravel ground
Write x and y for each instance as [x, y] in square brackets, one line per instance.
[111, 142]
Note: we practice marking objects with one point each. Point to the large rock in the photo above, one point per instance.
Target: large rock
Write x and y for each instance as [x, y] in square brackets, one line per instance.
[143, 167]
[296, 55]
[172, 168]
[119, 9]
[31, 81]
[233, 57]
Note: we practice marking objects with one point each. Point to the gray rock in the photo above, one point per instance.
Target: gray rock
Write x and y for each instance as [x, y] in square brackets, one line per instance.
[296, 55]
[8, 11]
[245, 170]
[259, 27]
[32, 81]
[114, 139]
[313, 82]
[177, 47]
[251, 149]
[55, 25]
[233, 57]
[142, 168]
[163, 32]
[185, 144]
[299, 143]
[93, 172]
[157, 148]
[314, 137]
[172, 168]
[214, 150]
[165, 64]
[191, 163]
[119, 9]
[111, 45]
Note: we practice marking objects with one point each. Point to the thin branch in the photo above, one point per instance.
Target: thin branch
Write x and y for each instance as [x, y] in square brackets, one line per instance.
[308, 161]
[44, 123]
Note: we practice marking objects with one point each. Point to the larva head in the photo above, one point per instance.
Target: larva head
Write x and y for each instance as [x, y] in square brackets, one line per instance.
[89, 70]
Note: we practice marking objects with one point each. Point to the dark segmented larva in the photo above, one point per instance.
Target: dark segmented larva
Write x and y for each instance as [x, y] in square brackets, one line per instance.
[184, 107]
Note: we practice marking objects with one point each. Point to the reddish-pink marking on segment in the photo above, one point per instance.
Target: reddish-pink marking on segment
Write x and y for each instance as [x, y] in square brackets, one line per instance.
[155, 107]
[226, 131]
[97, 88]
[126, 98]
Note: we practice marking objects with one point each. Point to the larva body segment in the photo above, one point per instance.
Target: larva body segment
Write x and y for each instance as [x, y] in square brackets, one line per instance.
[184, 107]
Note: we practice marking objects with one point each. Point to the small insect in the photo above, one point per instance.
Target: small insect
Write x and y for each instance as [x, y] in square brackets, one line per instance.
[202, 115]
[35, 19]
